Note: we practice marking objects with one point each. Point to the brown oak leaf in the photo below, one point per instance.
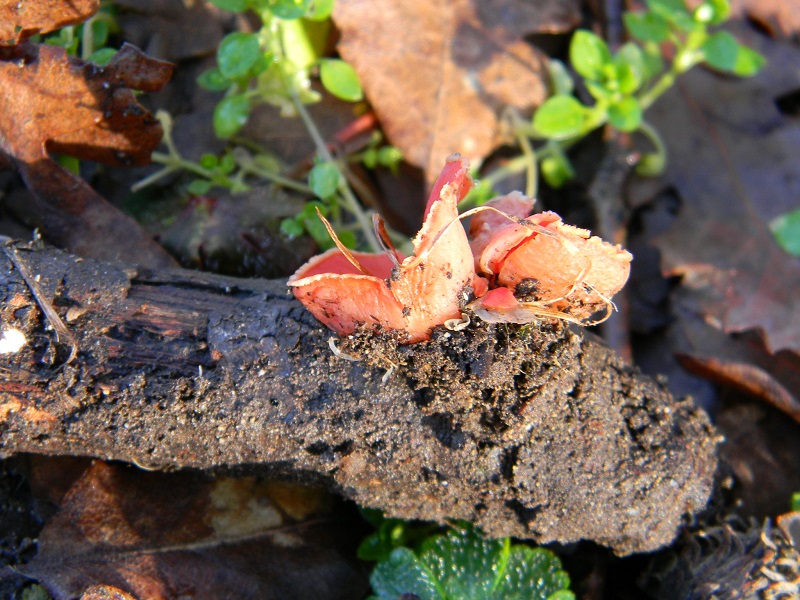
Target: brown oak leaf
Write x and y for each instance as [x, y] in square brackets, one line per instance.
[732, 160]
[160, 536]
[21, 20]
[50, 102]
[438, 74]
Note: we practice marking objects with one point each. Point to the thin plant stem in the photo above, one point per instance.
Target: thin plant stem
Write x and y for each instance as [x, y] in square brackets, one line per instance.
[87, 39]
[531, 166]
[351, 202]
[512, 167]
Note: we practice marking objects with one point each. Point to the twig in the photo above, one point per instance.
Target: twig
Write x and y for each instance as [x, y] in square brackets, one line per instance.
[62, 333]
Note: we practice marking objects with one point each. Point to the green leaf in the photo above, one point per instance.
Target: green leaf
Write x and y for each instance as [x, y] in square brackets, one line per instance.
[646, 27]
[199, 187]
[100, 31]
[208, 161]
[70, 163]
[556, 170]
[713, 12]
[230, 115]
[625, 115]
[237, 53]
[323, 179]
[291, 228]
[213, 81]
[389, 156]
[653, 61]
[480, 194]
[588, 53]
[227, 164]
[795, 501]
[320, 10]
[102, 56]
[232, 5]
[298, 45]
[340, 79]
[560, 79]
[674, 11]
[462, 565]
[560, 117]
[310, 210]
[630, 67]
[651, 164]
[786, 229]
[720, 51]
[402, 574]
[748, 62]
[628, 78]
[289, 9]
[318, 232]
[348, 238]
[391, 533]
[600, 91]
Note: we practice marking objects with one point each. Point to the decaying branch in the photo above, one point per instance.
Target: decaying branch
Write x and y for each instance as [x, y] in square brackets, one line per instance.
[535, 432]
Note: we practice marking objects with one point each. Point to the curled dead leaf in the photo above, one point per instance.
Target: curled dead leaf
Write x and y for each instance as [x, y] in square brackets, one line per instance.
[164, 536]
[440, 85]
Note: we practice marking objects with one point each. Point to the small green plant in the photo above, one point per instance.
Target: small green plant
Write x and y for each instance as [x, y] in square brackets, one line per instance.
[458, 564]
[87, 40]
[786, 229]
[273, 65]
[795, 504]
[625, 83]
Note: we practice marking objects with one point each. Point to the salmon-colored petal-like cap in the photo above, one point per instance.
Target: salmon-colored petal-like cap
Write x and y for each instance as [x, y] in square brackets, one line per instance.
[569, 269]
[552, 267]
[347, 290]
[496, 228]
[434, 283]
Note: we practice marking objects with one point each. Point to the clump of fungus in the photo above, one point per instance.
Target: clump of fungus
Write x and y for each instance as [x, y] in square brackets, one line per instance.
[516, 268]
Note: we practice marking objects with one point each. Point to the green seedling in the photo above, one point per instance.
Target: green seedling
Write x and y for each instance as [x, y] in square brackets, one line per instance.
[461, 564]
[786, 229]
[87, 40]
[273, 65]
[625, 83]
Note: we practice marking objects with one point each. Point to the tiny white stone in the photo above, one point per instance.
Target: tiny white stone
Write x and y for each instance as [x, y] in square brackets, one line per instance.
[12, 341]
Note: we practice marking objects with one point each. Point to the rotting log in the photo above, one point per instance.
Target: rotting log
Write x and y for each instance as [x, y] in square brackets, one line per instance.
[535, 432]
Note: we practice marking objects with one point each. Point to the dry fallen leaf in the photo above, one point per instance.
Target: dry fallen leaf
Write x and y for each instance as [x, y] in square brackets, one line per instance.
[732, 160]
[105, 592]
[779, 17]
[438, 74]
[52, 103]
[21, 20]
[156, 535]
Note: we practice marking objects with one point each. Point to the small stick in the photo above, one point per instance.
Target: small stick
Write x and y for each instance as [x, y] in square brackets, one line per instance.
[62, 333]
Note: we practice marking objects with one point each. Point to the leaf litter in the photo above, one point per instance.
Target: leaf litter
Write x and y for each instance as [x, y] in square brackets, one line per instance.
[159, 536]
[54, 104]
[439, 88]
